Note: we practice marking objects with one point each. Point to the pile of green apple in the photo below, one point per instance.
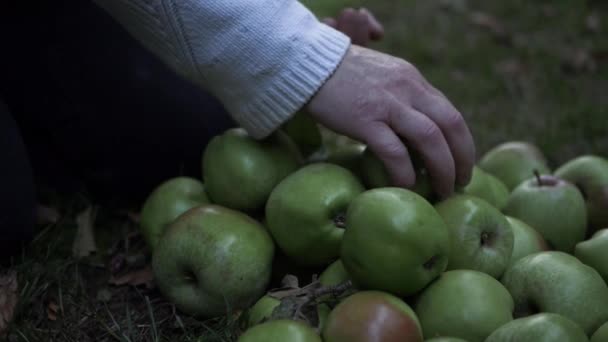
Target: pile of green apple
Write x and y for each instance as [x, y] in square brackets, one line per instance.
[519, 254]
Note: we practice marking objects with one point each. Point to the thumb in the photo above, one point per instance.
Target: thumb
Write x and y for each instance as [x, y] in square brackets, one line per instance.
[376, 30]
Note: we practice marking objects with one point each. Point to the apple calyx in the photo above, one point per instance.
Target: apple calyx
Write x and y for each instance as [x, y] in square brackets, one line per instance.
[340, 220]
[190, 277]
[429, 264]
[487, 239]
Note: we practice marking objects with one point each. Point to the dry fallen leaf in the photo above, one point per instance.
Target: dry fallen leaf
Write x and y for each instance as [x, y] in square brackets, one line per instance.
[593, 23]
[84, 242]
[510, 67]
[8, 299]
[454, 5]
[549, 11]
[51, 311]
[579, 60]
[489, 22]
[144, 276]
[46, 215]
[133, 216]
[600, 56]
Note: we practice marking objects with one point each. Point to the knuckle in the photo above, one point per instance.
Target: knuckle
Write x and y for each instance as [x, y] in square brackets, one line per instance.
[453, 120]
[349, 11]
[409, 69]
[428, 133]
[408, 76]
[389, 150]
[370, 106]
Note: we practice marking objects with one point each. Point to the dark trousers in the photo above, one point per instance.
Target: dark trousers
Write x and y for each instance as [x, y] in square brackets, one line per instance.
[86, 108]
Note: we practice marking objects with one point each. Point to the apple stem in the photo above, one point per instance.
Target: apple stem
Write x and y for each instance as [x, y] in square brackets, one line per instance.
[340, 220]
[538, 179]
[431, 262]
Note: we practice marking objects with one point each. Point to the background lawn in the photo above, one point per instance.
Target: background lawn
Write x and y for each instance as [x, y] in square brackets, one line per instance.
[517, 70]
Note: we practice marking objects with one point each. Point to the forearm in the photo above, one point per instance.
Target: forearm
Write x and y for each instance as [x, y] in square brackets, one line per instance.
[264, 59]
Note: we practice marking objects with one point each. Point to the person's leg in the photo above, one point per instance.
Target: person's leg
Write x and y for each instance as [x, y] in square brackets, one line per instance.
[17, 199]
[88, 95]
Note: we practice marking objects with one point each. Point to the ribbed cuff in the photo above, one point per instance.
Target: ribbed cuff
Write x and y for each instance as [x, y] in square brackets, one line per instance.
[296, 85]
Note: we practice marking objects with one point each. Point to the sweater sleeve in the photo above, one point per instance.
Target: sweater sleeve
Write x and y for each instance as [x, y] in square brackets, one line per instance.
[263, 59]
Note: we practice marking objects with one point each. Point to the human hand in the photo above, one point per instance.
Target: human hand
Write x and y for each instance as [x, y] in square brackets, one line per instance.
[360, 25]
[386, 103]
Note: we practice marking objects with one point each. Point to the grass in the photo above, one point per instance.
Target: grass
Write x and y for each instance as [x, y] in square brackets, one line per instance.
[513, 86]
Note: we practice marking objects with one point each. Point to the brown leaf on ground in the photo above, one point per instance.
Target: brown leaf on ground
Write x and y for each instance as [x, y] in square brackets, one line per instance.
[600, 56]
[51, 311]
[117, 263]
[133, 216]
[84, 242]
[290, 280]
[454, 5]
[46, 215]
[8, 299]
[144, 276]
[490, 23]
[548, 11]
[510, 67]
[593, 23]
[579, 60]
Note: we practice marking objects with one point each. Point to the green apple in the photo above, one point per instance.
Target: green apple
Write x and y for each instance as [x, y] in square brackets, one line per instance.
[334, 274]
[261, 310]
[368, 316]
[487, 187]
[166, 202]
[374, 174]
[282, 330]
[481, 238]
[323, 311]
[601, 334]
[464, 303]
[304, 132]
[526, 240]
[542, 327]
[306, 212]
[554, 207]
[513, 162]
[590, 174]
[395, 241]
[557, 282]
[212, 260]
[348, 156]
[445, 339]
[240, 172]
[594, 252]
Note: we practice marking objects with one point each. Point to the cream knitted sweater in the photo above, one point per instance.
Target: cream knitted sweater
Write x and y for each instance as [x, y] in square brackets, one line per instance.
[263, 59]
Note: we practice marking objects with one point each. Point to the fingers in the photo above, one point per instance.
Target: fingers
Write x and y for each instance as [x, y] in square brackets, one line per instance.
[427, 138]
[360, 25]
[387, 146]
[455, 130]
[376, 30]
[355, 25]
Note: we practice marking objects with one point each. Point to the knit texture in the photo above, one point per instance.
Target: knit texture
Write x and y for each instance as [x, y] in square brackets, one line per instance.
[263, 59]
